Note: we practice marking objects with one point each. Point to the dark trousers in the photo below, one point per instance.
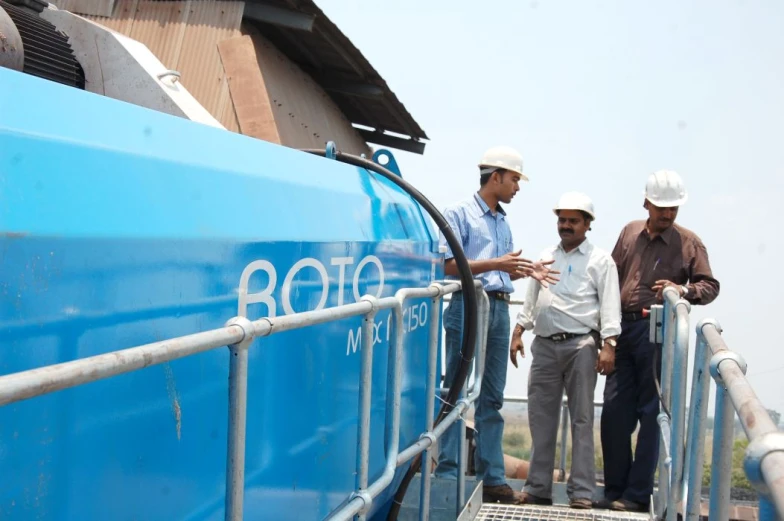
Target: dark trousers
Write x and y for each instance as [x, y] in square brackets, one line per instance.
[630, 397]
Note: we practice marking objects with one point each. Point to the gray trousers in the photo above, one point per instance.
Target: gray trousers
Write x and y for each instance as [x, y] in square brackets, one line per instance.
[557, 365]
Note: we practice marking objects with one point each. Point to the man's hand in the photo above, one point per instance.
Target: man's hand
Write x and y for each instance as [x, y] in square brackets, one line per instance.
[543, 274]
[605, 365]
[659, 286]
[513, 264]
[516, 345]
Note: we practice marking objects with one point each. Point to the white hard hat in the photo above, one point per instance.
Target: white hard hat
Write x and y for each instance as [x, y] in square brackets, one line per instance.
[575, 201]
[503, 157]
[665, 189]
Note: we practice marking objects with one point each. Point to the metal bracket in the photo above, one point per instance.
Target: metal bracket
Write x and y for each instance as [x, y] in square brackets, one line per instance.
[385, 158]
[174, 74]
[331, 151]
[755, 453]
[366, 498]
[721, 356]
[708, 322]
[656, 335]
[430, 436]
[247, 330]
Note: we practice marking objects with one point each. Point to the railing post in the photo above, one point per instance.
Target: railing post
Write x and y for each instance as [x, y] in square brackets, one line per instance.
[680, 364]
[764, 467]
[698, 412]
[767, 510]
[723, 439]
[483, 308]
[564, 434]
[432, 361]
[365, 382]
[238, 409]
[665, 381]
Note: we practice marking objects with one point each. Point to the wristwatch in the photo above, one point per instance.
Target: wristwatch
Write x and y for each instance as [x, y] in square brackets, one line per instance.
[611, 342]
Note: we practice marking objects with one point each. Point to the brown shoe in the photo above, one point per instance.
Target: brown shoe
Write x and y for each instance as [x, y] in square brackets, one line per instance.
[581, 503]
[530, 499]
[502, 494]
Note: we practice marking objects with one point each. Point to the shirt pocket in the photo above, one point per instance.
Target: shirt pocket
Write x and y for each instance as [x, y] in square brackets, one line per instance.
[576, 283]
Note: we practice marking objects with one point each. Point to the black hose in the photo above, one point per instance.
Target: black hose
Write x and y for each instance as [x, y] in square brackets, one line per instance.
[469, 303]
[656, 381]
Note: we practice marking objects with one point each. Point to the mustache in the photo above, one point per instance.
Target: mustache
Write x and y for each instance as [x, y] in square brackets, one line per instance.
[565, 230]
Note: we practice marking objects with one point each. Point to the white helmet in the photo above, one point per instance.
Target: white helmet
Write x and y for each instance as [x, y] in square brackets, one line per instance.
[503, 157]
[665, 189]
[575, 201]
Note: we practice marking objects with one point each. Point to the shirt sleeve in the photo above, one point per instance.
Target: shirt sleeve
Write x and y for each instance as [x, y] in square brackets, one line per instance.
[703, 287]
[618, 249]
[457, 225]
[525, 317]
[609, 299]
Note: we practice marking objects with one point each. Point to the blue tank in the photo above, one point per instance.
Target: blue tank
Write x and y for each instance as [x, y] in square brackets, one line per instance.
[123, 226]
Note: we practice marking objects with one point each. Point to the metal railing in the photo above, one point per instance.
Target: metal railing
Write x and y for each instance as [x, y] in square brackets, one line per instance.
[238, 334]
[764, 459]
[670, 327]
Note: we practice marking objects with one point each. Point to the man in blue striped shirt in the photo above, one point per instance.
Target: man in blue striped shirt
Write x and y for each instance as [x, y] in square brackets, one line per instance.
[480, 224]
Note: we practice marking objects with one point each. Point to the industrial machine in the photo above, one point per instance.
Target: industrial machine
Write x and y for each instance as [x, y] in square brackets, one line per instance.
[131, 219]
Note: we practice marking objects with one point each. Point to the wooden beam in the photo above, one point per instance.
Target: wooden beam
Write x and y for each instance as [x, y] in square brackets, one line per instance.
[247, 89]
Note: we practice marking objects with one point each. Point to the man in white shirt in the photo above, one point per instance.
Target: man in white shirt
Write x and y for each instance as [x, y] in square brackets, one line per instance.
[575, 322]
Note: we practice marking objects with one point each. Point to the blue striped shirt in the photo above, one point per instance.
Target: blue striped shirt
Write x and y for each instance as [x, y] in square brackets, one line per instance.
[483, 236]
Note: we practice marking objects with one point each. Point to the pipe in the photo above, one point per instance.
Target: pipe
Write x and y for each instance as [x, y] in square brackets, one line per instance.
[365, 391]
[36, 382]
[432, 368]
[238, 410]
[680, 363]
[698, 413]
[721, 463]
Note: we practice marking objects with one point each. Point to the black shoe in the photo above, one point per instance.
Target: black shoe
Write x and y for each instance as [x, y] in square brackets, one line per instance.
[626, 505]
[604, 504]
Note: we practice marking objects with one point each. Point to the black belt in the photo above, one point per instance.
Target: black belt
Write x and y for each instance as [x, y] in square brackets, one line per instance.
[633, 316]
[499, 295]
[495, 295]
[561, 337]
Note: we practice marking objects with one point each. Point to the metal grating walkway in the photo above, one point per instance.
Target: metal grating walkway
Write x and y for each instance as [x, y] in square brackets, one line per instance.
[496, 512]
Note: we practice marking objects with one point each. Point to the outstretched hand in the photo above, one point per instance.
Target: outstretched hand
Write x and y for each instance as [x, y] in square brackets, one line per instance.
[541, 272]
[513, 263]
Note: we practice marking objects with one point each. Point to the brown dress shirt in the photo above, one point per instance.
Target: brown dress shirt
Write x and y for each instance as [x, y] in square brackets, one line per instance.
[677, 255]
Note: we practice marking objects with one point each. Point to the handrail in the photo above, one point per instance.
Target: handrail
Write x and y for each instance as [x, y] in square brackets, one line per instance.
[238, 334]
[673, 319]
[679, 469]
[764, 460]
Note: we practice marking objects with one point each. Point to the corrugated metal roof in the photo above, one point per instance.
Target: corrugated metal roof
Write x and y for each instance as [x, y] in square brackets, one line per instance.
[340, 68]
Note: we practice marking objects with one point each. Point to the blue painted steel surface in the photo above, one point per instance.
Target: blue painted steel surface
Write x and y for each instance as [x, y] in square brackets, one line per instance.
[122, 226]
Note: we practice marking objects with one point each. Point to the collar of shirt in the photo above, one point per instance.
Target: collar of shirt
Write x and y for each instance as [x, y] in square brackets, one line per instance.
[666, 235]
[483, 208]
[583, 248]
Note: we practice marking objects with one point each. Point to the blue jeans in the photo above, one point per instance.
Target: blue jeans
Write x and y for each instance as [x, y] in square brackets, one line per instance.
[489, 456]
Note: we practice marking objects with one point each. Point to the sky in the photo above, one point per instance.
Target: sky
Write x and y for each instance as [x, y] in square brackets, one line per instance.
[596, 95]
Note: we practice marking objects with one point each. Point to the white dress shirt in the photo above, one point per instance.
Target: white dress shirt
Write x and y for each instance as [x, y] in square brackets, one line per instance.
[586, 298]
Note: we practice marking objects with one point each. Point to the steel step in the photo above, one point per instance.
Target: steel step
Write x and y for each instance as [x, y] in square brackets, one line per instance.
[497, 512]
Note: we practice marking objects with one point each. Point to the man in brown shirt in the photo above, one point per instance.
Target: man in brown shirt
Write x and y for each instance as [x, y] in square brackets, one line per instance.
[651, 254]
